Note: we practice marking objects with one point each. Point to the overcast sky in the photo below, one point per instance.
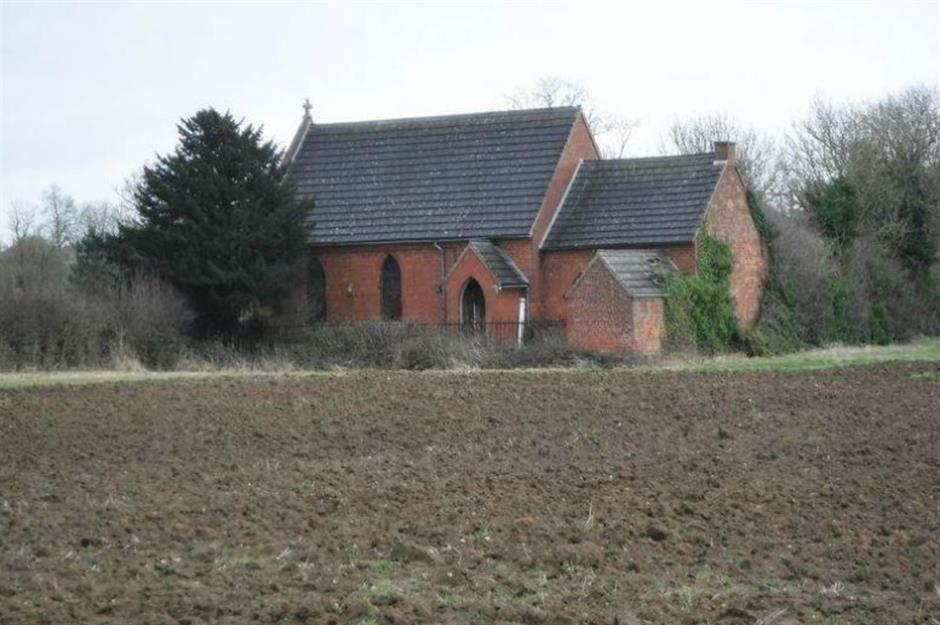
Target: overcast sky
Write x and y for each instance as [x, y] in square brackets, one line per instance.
[90, 92]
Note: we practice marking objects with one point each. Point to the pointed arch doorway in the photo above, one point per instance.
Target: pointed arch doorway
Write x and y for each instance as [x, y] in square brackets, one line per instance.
[473, 308]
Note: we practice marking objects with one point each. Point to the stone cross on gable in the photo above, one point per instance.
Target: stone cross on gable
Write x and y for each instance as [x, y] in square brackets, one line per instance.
[307, 107]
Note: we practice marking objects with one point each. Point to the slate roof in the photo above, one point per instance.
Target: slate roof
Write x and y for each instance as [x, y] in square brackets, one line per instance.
[507, 274]
[456, 177]
[638, 271]
[635, 202]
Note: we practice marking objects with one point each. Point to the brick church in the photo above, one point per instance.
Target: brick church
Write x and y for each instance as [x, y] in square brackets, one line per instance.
[510, 217]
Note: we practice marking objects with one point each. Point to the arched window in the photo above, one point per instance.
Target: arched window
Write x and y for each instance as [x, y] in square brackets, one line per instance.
[473, 307]
[391, 290]
[316, 292]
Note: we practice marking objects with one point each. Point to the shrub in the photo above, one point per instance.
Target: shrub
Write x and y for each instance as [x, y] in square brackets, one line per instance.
[372, 344]
[779, 330]
[151, 319]
[390, 345]
[836, 325]
[56, 326]
[879, 324]
[549, 351]
[407, 346]
[888, 298]
[801, 266]
[52, 327]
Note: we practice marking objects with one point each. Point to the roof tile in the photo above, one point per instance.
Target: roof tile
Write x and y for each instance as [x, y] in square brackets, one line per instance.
[639, 272]
[430, 179]
[635, 202]
[507, 274]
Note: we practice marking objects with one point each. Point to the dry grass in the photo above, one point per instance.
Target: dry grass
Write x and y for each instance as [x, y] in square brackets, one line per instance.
[194, 368]
[838, 356]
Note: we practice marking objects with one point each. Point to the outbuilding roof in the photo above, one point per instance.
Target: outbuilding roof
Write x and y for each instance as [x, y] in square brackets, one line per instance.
[639, 272]
[507, 274]
[635, 202]
[455, 177]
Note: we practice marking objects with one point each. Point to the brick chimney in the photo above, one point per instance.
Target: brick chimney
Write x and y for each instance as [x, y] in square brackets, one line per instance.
[724, 151]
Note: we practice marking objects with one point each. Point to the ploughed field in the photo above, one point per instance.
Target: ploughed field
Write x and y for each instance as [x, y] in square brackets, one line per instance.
[492, 497]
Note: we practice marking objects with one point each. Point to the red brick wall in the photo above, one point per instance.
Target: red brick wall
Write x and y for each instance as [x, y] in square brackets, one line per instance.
[353, 280]
[683, 257]
[559, 270]
[604, 317]
[729, 220]
[525, 252]
[500, 305]
[353, 283]
[600, 313]
[649, 325]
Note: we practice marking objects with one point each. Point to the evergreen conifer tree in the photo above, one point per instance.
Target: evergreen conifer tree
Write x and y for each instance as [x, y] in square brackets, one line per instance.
[217, 219]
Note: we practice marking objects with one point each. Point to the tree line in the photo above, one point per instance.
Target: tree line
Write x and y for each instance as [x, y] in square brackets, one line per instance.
[207, 243]
[849, 204]
[208, 240]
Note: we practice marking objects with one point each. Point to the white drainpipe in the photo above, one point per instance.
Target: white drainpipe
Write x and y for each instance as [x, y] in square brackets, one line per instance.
[522, 315]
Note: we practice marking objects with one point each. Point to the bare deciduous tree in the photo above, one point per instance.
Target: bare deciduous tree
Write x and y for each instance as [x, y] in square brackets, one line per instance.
[611, 132]
[756, 153]
[551, 92]
[100, 217]
[61, 217]
[617, 134]
[22, 221]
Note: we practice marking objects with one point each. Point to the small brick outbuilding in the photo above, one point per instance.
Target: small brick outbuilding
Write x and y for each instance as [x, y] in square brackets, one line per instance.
[511, 217]
[616, 305]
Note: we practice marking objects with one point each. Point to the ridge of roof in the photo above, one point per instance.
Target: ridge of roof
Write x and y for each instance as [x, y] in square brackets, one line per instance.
[641, 160]
[450, 119]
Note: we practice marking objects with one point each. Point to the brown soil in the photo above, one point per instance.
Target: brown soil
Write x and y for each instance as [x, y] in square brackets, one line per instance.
[572, 497]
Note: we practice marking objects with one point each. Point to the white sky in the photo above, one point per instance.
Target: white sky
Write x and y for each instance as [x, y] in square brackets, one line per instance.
[90, 92]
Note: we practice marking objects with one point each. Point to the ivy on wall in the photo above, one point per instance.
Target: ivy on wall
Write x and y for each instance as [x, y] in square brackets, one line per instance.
[699, 307]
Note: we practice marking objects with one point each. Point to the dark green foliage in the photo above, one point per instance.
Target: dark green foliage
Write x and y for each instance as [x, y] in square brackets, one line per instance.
[919, 197]
[879, 324]
[837, 325]
[218, 221]
[835, 210]
[94, 271]
[699, 307]
[779, 330]
[755, 205]
[715, 260]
